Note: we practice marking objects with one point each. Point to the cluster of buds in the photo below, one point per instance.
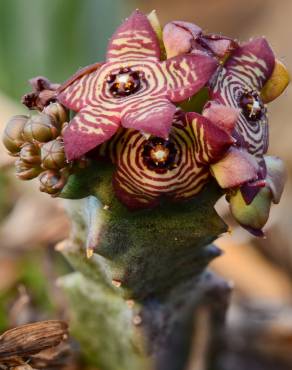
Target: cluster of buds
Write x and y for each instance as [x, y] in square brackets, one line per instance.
[37, 143]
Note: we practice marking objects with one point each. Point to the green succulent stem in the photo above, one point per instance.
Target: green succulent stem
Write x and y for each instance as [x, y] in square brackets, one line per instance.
[138, 302]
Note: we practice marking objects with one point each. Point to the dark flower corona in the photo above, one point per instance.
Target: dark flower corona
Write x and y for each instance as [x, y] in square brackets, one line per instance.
[128, 111]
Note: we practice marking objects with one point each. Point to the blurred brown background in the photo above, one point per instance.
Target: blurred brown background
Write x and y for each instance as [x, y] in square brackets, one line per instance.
[54, 38]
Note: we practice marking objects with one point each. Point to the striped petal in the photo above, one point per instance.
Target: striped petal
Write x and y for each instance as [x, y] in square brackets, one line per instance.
[88, 129]
[212, 141]
[238, 85]
[74, 92]
[187, 74]
[253, 62]
[153, 117]
[236, 168]
[142, 179]
[134, 39]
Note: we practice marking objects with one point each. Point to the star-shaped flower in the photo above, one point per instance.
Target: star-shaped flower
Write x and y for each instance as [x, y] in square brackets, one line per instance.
[133, 88]
[151, 168]
[249, 78]
[239, 84]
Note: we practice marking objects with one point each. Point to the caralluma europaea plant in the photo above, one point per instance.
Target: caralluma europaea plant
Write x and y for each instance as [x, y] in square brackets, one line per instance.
[142, 146]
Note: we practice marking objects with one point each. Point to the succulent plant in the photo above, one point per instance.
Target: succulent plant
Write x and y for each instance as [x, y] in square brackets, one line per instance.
[174, 119]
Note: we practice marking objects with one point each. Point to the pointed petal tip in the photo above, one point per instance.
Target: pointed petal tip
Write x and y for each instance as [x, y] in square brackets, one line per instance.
[255, 232]
[256, 55]
[137, 27]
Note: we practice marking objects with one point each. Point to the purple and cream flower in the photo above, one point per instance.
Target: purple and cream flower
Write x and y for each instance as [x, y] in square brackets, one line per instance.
[248, 78]
[127, 109]
[133, 88]
[246, 167]
[150, 168]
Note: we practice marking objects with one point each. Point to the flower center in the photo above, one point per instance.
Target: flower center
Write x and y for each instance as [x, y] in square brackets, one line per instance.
[252, 105]
[159, 155]
[125, 82]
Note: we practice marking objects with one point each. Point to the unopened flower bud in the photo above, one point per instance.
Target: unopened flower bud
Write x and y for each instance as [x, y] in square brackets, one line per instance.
[12, 136]
[252, 216]
[178, 37]
[26, 171]
[30, 153]
[53, 155]
[41, 128]
[52, 182]
[58, 112]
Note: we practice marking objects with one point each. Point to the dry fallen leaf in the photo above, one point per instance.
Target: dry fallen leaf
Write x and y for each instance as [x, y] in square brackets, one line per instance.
[20, 345]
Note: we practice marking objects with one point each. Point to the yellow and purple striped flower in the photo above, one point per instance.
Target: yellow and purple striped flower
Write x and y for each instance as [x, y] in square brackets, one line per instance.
[134, 88]
[150, 168]
[239, 84]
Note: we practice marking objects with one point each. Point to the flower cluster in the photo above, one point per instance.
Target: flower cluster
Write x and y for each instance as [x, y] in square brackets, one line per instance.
[142, 110]
[38, 145]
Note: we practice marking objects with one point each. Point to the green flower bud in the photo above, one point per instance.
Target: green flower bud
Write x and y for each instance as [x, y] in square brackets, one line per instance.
[41, 128]
[12, 136]
[252, 216]
[26, 171]
[52, 182]
[53, 155]
[30, 153]
[58, 112]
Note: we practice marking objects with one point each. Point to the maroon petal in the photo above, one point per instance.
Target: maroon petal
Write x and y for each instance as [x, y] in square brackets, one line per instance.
[153, 117]
[148, 169]
[254, 61]
[88, 129]
[212, 141]
[238, 86]
[134, 39]
[132, 199]
[178, 37]
[74, 94]
[236, 168]
[276, 176]
[223, 116]
[187, 74]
